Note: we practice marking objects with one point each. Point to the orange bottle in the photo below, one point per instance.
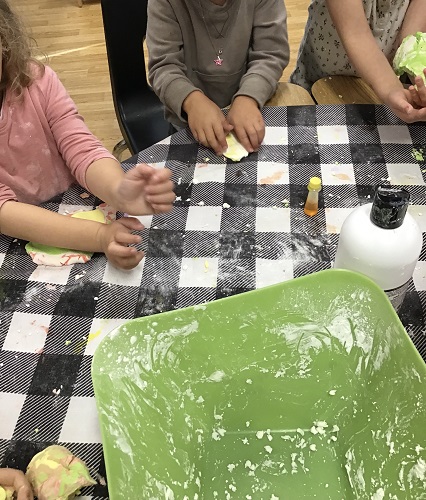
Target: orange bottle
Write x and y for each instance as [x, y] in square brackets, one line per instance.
[311, 205]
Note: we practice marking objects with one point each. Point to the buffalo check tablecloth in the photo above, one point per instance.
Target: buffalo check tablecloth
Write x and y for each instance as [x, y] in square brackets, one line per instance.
[234, 227]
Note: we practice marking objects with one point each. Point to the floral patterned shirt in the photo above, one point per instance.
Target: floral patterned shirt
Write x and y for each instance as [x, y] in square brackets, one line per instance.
[321, 51]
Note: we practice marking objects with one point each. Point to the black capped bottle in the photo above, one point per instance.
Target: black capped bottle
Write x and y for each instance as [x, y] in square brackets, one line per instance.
[382, 241]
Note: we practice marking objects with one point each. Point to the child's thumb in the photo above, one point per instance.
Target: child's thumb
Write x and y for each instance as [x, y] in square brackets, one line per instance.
[228, 127]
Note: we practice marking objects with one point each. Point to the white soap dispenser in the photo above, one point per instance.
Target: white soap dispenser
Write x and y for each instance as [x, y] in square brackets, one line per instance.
[382, 241]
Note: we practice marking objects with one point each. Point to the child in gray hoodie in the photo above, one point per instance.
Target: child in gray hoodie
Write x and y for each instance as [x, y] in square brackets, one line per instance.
[205, 55]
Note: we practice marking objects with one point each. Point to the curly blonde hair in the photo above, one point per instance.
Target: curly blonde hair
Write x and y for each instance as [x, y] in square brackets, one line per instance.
[17, 61]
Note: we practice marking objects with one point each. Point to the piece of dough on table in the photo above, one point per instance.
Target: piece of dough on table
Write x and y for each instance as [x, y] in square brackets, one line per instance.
[56, 474]
[53, 256]
[236, 151]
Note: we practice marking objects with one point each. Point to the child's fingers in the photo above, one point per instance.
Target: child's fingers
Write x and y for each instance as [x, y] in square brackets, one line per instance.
[118, 250]
[160, 176]
[125, 238]
[143, 170]
[164, 187]
[243, 138]
[131, 223]
[421, 91]
[415, 98]
[219, 132]
[212, 140]
[161, 208]
[166, 199]
[227, 126]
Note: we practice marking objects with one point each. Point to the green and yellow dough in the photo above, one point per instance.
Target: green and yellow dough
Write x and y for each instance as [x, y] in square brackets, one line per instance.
[56, 474]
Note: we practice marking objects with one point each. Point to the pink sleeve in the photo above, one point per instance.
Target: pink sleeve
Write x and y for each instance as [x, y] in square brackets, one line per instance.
[6, 194]
[77, 145]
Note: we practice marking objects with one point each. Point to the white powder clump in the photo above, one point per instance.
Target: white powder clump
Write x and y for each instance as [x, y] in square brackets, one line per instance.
[268, 449]
[259, 434]
[217, 376]
[313, 447]
[379, 495]
[332, 392]
[418, 471]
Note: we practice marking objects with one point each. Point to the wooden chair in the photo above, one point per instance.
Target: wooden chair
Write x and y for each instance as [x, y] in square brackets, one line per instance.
[289, 94]
[343, 90]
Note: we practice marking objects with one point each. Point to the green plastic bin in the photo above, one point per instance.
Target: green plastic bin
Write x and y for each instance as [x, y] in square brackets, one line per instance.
[306, 389]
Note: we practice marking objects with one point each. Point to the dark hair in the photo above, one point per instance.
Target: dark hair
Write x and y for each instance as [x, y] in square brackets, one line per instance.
[17, 61]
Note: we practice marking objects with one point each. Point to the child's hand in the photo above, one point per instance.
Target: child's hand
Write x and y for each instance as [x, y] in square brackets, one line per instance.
[145, 190]
[405, 106]
[25, 492]
[418, 96]
[17, 480]
[247, 121]
[207, 122]
[114, 239]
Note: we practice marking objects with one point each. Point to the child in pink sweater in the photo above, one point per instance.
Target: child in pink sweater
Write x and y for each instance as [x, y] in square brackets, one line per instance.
[45, 147]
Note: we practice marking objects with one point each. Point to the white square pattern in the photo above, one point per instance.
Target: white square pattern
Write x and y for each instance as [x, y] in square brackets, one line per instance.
[99, 329]
[197, 272]
[27, 332]
[271, 272]
[419, 276]
[276, 136]
[50, 274]
[405, 174]
[272, 173]
[122, 277]
[419, 214]
[81, 423]
[337, 174]
[209, 172]
[332, 134]
[204, 219]
[394, 134]
[10, 408]
[270, 219]
[335, 217]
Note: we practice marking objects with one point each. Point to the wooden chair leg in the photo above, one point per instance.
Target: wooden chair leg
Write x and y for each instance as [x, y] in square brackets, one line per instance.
[343, 90]
[289, 94]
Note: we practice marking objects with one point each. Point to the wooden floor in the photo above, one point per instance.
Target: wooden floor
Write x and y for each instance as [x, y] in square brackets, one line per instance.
[72, 38]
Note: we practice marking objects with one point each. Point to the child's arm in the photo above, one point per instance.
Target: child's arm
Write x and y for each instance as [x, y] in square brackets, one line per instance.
[369, 61]
[16, 479]
[267, 58]
[140, 191]
[166, 67]
[39, 225]
[414, 20]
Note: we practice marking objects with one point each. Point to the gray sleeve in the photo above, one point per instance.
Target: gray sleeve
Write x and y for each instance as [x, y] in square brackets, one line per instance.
[269, 53]
[166, 67]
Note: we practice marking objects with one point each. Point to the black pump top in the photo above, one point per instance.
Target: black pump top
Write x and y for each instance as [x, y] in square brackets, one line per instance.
[389, 207]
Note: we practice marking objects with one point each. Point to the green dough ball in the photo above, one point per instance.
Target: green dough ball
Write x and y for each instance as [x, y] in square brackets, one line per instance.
[410, 57]
[56, 474]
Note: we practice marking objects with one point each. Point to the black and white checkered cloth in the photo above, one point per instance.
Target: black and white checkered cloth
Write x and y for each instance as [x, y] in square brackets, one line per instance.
[52, 319]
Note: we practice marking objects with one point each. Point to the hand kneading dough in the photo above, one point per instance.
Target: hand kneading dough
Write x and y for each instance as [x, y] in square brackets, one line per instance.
[235, 150]
[56, 474]
[57, 257]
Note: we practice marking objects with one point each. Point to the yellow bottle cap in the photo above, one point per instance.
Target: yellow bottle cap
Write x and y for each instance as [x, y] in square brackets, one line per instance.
[314, 183]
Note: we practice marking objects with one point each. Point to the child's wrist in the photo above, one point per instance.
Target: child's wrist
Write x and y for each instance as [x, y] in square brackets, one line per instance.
[191, 100]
